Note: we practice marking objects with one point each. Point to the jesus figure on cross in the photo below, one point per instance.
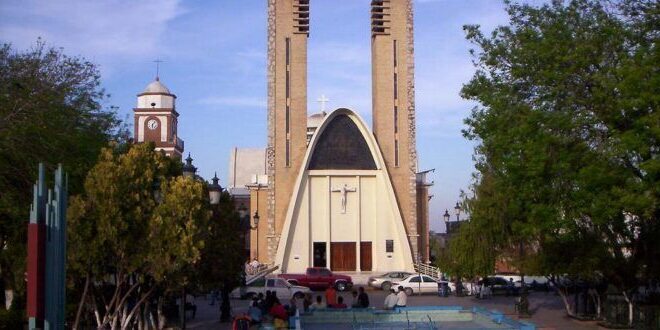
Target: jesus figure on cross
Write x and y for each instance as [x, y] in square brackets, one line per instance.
[343, 190]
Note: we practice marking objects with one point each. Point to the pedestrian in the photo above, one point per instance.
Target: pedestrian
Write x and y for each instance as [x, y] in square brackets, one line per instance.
[280, 315]
[363, 298]
[401, 298]
[354, 299]
[254, 312]
[330, 296]
[509, 287]
[255, 266]
[390, 300]
[318, 304]
[340, 303]
[307, 301]
[214, 297]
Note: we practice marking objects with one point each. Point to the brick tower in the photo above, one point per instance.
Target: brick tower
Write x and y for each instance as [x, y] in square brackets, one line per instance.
[156, 119]
[393, 100]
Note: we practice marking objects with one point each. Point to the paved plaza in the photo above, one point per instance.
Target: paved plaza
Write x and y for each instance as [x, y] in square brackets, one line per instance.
[547, 308]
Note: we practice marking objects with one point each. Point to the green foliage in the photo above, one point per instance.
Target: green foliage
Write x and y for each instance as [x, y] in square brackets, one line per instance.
[138, 222]
[50, 111]
[222, 259]
[568, 133]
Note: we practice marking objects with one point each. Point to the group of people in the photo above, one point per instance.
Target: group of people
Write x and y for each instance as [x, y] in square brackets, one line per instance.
[396, 299]
[269, 307]
[332, 300]
[252, 266]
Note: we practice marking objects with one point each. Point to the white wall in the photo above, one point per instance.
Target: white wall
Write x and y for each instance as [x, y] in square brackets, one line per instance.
[162, 101]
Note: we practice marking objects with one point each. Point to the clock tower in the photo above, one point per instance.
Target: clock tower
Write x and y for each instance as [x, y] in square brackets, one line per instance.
[155, 119]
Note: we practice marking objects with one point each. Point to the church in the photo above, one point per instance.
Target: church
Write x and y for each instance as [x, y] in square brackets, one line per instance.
[331, 191]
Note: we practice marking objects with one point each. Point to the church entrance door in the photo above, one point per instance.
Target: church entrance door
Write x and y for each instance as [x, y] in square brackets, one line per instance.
[319, 254]
[342, 255]
[365, 256]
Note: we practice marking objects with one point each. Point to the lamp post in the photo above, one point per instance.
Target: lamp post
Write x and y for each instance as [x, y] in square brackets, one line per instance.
[188, 168]
[446, 216]
[256, 217]
[215, 190]
[457, 209]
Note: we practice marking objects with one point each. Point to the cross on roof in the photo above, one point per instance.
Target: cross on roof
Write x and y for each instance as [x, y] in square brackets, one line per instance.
[158, 62]
[323, 100]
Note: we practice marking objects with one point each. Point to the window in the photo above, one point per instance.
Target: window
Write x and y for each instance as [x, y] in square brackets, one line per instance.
[396, 153]
[389, 246]
[280, 284]
[324, 273]
[394, 52]
[414, 279]
[428, 279]
[396, 119]
[270, 283]
[259, 283]
[396, 86]
[288, 146]
[288, 109]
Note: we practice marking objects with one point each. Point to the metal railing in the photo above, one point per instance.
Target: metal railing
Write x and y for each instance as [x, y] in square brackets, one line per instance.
[428, 269]
[259, 272]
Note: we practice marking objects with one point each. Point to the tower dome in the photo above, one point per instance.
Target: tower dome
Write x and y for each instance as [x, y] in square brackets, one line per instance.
[156, 87]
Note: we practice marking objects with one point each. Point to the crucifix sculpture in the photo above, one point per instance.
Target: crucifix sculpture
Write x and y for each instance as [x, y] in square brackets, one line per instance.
[344, 190]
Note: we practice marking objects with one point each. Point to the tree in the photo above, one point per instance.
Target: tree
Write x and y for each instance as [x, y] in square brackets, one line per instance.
[137, 228]
[50, 111]
[221, 264]
[568, 133]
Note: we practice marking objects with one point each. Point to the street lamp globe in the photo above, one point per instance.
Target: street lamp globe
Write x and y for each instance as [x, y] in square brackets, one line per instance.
[214, 190]
[242, 211]
[188, 168]
[256, 218]
[446, 215]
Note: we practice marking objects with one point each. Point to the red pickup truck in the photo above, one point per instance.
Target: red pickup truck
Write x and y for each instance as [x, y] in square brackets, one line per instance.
[320, 278]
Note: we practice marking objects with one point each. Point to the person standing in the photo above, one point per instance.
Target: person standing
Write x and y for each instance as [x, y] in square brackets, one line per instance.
[318, 304]
[390, 300]
[354, 300]
[330, 296]
[307, 301]
[340, 303]
[401, 298]
[363, 298]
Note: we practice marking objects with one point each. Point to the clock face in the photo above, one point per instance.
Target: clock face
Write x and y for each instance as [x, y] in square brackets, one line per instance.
[152, 124]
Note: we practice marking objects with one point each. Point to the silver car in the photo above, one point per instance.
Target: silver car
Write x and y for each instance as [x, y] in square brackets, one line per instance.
[384, 281]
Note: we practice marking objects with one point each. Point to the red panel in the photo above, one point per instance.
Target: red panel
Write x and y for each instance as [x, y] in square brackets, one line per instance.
[35, 271]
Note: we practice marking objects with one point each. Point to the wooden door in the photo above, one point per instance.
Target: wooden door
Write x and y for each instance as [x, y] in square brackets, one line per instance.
[342, 256]
[365, 256]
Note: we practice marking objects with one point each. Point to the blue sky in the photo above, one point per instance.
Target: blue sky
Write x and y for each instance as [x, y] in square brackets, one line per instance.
[214, 55]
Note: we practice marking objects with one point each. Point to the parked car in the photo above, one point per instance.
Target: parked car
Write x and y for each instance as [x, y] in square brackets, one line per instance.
[320, 278]
[384, 281]
[417, 283]
[500, 284]
[283, 288]
[467, 288]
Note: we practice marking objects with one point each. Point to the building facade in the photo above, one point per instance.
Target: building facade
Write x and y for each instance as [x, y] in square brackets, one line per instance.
[338, 194]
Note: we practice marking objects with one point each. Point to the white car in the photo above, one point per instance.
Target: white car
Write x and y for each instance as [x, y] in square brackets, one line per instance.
[283, 288]
[417, 283]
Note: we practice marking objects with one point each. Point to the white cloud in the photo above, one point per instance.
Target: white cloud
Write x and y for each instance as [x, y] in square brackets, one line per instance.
[97, 29]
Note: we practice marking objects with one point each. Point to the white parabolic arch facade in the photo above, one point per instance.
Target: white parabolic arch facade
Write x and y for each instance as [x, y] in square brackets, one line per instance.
[343, 213]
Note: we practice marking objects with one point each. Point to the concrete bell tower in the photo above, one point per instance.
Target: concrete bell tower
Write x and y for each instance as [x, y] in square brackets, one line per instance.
[156, 119]
[393, 100]
[288, 30]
